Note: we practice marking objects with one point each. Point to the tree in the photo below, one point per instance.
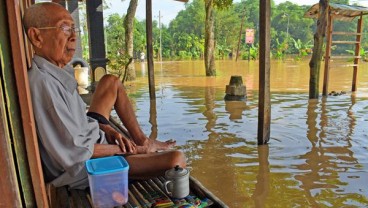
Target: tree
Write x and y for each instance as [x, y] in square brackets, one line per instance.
[129, 35]
[209, 49]
[315, 62]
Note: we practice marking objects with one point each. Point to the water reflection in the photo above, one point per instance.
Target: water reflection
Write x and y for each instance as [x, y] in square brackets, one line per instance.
[235, 109]
[263, 177]
[153, 119]
[329, 155]
[317, 155]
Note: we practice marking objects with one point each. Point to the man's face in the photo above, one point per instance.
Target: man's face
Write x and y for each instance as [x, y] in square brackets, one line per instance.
[58, 44]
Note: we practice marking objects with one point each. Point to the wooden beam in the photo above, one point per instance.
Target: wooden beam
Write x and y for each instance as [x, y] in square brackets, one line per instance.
[344, 42]
[264, 106]
[346, 33]
[151, 71]
[20, 69]
[329, 41]
[357, 53]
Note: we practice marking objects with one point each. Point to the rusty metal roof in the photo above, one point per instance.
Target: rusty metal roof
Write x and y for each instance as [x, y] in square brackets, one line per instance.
[339, 11]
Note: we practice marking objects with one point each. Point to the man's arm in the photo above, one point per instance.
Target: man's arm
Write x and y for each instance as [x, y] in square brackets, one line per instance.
[104, 150]
[114, 137]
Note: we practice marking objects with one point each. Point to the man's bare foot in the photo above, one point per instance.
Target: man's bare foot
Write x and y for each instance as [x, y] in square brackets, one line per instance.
[152, 145]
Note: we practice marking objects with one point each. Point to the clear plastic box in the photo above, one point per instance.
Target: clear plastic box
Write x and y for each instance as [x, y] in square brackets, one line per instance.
[108, 181]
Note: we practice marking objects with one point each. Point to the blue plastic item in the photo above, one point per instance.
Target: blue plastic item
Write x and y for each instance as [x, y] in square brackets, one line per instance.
[108, 181]
[106, 165]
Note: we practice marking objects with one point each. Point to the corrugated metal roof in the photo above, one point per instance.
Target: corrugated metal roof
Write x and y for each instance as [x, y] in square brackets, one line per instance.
[339, 11]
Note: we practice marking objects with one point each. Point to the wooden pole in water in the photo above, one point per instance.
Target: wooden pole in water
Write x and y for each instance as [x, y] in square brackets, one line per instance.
[151, 75]
[239, 40]
[357, 52]
[315, 62]
[264, 106]
[327, 55]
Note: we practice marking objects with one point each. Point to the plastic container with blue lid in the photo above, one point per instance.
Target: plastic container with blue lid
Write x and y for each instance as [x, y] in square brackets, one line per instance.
[108, 181]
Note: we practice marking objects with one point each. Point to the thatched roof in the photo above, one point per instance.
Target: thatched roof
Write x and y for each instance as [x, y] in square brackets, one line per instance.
[339, 11]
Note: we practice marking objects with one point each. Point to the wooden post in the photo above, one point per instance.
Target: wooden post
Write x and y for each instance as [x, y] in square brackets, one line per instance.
[357, 53]
[96, 35]
[315, 62]
[327, 55]
[264, 106]
[74, 11]
[151, 71]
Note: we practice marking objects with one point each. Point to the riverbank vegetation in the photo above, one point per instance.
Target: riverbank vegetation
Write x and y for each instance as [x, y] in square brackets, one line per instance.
[183, 38]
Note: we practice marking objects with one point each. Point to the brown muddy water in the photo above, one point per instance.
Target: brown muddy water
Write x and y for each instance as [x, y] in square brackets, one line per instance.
[318, 152]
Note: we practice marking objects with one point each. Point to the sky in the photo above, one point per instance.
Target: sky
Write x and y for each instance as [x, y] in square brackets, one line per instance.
[170, 8]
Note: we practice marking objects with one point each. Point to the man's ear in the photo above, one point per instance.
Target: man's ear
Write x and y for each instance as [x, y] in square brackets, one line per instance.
[35, 37]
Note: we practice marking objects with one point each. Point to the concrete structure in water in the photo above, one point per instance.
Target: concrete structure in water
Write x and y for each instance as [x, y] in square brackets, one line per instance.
[235, 90]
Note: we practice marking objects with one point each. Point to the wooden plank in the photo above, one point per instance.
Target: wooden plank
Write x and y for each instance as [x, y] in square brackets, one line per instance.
[83, 196]
[27, 122]
[344, 57]
[199, 189]
[62, 197]
[346, 33]
[344, 42]
[343, 65]
[357, 53]
[264, 106]
[8, 180]
[13, 112]
[329, 41]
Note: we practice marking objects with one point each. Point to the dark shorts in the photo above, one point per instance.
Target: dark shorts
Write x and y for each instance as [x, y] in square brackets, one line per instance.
[100, 118]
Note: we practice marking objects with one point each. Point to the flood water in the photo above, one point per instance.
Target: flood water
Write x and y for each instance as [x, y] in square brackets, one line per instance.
[318, 152]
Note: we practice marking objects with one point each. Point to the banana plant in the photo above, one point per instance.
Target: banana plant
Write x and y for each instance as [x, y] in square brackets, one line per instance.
[281, 48]
[362, 54]
[302, 48]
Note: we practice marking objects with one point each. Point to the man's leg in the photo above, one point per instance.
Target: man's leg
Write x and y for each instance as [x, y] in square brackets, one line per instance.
[110, 93]
[143, 166]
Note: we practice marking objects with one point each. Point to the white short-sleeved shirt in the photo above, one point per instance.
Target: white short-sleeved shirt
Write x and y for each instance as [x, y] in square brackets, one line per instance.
[66, 134]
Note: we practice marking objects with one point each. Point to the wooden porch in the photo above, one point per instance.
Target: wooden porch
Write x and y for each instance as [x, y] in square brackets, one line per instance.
[22, 184]
[144, 193]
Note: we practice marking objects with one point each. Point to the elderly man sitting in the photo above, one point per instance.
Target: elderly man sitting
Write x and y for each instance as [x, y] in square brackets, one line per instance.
[67, 136]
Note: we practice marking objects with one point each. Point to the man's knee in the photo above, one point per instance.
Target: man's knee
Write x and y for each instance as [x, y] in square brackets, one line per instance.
[109, 79]
[177, 158]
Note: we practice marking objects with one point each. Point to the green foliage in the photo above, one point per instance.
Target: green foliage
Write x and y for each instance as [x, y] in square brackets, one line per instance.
[303, 48]
[117, 63]
[362, 54]
[183, 38]
[280, 49]
[253, 52]
[184, 55]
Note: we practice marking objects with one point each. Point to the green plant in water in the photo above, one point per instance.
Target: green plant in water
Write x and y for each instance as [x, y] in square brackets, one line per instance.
[302, 48]
[281, 48]
[253, 52]
[117, 63]
[362, 54]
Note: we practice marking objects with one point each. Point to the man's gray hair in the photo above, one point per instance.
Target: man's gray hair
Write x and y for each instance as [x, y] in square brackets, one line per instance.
[37, 15]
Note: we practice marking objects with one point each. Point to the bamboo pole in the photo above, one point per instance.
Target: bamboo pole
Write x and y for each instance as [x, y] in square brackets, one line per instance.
[264, 106]
[315, 62]
[357, 53]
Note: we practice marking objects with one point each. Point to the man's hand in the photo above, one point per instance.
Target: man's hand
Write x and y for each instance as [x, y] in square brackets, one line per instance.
[114, 137]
